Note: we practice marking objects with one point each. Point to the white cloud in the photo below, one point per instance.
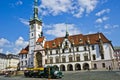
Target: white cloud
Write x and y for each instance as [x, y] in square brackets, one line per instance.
[1, 50]
[24, 21]
[116, 26]
[21, 42]
[102, 12]
[58, 30]
[108, 26]
[19, 2]
[3, 41]
[12, 47]
[101, 20]
[74, 7]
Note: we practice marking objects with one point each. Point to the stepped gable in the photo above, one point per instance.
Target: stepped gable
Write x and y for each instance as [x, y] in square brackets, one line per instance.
[79, 39]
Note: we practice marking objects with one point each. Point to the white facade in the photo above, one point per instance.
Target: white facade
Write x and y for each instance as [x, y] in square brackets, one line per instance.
[23, 59]
[3, 63]
[94, 61]
[8, 62]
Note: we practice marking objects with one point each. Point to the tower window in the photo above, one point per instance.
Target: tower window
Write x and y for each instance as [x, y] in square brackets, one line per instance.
[32, 34]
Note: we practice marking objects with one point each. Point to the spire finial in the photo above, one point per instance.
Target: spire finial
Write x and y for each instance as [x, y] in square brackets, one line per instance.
[35, 9]
[67, 34]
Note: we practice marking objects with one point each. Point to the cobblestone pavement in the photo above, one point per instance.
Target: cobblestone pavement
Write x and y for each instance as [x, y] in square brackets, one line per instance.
[78, 75]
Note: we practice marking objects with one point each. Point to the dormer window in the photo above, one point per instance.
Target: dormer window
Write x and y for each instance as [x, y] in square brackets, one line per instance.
[53, 44]
[80, 41]
[66, 44]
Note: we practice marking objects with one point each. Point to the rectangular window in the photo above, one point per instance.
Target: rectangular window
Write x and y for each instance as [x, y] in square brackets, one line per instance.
[63, 50]
[93, 47]
[51, 52]
[51, 60]
[57, 60]
[70, 59]
[22, 56]
[69, 49]
[26, 62]
[85, 58]
[103, 65]
[56, 51]
[45, 61]
[22, 62]
[63, 60]
[85, 49]
[77, 49]
[78, 58]
[26, 56]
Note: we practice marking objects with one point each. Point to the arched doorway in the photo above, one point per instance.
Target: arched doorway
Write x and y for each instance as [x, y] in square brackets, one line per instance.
[39, 59]
[85, 66]
[77, 67]
[62, 67]
[69, 67]
[56, 67]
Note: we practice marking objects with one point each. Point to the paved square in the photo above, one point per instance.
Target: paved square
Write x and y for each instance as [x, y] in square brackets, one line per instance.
[76, 75]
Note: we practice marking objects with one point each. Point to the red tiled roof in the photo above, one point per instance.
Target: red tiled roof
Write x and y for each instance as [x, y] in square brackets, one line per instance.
[24, 51]
[93, 39]
[79, 39]
[41, 39]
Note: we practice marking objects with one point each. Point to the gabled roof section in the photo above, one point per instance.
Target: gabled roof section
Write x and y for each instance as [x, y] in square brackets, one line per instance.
[94, 38]
[25, 50]
[40, 39]
[54, 43]
[79, 39]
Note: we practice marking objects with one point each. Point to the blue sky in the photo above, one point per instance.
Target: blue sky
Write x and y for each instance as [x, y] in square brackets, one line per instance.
[80, 16]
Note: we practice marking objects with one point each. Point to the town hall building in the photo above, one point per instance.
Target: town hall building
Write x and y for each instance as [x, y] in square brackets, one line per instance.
[67, 53]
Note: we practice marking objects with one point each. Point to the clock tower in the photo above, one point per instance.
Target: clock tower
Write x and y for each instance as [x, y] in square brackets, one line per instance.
[34, 33]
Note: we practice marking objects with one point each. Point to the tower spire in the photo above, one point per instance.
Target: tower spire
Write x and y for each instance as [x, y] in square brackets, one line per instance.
[35, 9]
[67, 34]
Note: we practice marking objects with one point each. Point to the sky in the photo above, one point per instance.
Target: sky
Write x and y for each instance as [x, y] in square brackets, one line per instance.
[80, 17]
